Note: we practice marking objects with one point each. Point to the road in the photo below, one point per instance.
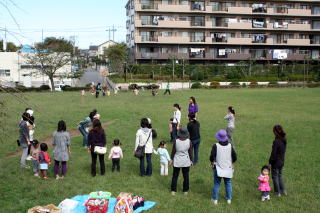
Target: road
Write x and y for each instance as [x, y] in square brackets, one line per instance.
[89, 76]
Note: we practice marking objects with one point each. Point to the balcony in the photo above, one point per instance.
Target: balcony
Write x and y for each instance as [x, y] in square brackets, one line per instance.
[173, 39]
[239, 40]
[298, 41]
[240, 25]
[299, 12]
[240, 10]
[238, 56]
[169, 23]
[151, 39]
[299, 27]
[173, 8]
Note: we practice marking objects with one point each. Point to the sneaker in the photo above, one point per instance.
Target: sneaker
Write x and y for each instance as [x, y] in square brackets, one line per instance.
[268, 197]
[185, 193]
[36, 175]
[278, 195]
[45, 178]
[58, 177]
[284, 193]
[25, 167]
[29, 157]
[215, 202]
[229, 202]
[173, 193]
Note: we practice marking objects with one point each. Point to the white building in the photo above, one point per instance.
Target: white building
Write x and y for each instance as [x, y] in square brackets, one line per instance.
[104, 46]
[14, 70]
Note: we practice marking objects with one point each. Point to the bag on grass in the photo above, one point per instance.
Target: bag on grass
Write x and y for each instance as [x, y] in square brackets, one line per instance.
[100, 150]
[45, 209]
[124, 203]
[137, 202]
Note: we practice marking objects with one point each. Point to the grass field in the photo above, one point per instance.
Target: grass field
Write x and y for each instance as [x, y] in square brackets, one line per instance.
[297, 109]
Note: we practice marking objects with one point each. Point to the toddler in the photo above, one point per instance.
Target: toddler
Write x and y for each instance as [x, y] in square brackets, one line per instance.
[230, 117]
[171, 130]
[164, 158]
[264, 183]
[115, 155]
[103, 93]
[35, 150]
[44, 161]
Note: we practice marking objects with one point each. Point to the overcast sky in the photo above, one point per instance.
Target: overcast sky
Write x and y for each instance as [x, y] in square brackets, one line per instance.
[87, 20]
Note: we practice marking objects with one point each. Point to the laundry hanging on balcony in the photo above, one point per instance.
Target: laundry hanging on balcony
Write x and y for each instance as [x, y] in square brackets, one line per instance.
[259, 8]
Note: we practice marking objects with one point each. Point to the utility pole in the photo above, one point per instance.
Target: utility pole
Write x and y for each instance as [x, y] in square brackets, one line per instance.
[113, 31]
[5, 40]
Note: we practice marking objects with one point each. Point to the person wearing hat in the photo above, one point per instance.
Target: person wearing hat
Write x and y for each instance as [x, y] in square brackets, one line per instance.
[182, 159]
[222, 158]
[24, 139]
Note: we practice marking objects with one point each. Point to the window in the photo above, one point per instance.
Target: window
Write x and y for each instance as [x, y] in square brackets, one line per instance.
[4, 73]
[315, 39]
[316, 25]
[184, 2]
[183, 50]
[197, 21]
[315, 10]
[183, 18]
[166, 2]
[147, 4]
[197, 37]
[166, 50]
[214, 5]
[198, 5]
[183, 34]
[166, 34]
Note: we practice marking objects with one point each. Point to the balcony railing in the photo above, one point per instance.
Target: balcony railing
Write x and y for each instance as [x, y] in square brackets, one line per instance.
[198, 23]
[149, 38]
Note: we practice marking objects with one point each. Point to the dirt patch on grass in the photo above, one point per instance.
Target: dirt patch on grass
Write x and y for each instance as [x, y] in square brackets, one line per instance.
[48, 140]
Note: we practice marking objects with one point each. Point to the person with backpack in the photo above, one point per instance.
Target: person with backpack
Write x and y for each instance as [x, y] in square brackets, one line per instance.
[24, 139]
[84, 125]
[44, 161]
[222, 159]
[61, 143]
[145, 145]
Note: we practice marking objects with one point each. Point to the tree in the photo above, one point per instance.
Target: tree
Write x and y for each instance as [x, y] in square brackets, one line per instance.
[117, 55]
[50, 56]
[11, 47]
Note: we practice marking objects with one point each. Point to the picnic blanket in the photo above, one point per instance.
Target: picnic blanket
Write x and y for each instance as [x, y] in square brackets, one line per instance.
[80, 208]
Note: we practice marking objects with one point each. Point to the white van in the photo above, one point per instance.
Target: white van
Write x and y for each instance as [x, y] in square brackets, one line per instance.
[58, 87]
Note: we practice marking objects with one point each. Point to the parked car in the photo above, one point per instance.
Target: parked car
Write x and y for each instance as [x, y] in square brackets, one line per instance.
[59, 87]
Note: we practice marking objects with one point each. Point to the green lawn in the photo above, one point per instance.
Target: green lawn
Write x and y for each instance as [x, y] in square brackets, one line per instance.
[297, 109]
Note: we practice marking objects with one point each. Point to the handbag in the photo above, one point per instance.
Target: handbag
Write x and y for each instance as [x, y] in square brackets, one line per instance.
[140, 151]
[100, 150]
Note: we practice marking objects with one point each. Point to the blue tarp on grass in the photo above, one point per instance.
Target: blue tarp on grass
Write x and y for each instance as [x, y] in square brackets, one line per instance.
[112, 202]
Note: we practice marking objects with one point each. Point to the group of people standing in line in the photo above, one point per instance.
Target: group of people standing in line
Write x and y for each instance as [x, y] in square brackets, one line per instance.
[185, 150]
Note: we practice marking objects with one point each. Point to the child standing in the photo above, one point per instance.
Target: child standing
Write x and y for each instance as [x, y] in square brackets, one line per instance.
[35, 150]
[176, 120]
[44, 161]
[264, 183]
[115, 155]
[171, 129]
[108, 92]
[230, 117]
[103, 92]
[164, 158]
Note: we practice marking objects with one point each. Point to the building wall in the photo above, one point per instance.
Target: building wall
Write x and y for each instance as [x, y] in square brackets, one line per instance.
[104, 46]
[13, 62]
[211, 31]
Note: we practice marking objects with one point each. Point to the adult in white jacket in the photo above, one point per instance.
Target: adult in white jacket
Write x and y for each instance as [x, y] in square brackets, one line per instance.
[144, 138]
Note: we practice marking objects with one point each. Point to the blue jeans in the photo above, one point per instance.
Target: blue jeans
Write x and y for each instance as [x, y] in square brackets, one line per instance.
[216, 187]
[148, 171]
[85, 135]
[195, 145]
[35, 166]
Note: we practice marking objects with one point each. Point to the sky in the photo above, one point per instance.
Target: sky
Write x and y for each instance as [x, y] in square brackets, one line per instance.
[87, 20]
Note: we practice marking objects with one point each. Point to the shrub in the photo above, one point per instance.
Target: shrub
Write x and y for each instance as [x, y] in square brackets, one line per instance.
[273, 82]
[312, 85]
[214, 84]
[197, 76]
[44, 87]
[68, 88]
[88, 85]
[234, 84]
[65, 87]
[253, 84]
[244, 85]
[196, 85]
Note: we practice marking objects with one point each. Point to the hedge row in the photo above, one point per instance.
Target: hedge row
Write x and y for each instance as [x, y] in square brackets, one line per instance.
[214, 85]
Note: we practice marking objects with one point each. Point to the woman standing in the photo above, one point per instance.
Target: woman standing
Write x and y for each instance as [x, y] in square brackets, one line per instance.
[24, 139]
[194, 130]
[144, 138]
[276, 161]
[193, 106]
[84, 125]
[98, 90]
[222, 158]
[61, 143]
[97, 137]
[182, 159]
[176, 120]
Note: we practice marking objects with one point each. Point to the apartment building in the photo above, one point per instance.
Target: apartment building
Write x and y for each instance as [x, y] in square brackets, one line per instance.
[215, 31]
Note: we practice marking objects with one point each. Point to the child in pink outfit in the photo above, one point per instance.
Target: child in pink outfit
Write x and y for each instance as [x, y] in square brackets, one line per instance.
[115, 155]
[264, 183]
[171, 130]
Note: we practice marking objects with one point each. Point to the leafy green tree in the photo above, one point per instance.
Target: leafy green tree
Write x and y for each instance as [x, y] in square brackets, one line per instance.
[11, 47]
[117, 55]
